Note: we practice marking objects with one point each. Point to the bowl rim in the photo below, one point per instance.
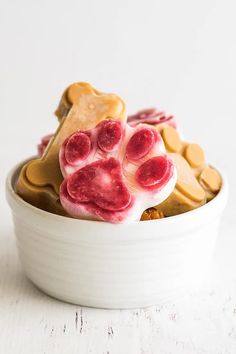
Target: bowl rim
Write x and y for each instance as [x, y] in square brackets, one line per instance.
[216, 201]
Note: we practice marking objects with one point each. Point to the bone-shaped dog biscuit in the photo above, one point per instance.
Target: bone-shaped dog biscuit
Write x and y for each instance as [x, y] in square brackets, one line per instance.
[193, 153]
[211, 181]
[171, 139]
[44, 198]
[196, 184]
[70, 97]
[187, 195]
[40, 179]
[151, 214]
[207, 176]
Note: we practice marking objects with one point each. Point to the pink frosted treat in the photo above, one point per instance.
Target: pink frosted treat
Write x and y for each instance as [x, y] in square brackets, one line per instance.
[151, 116]
[114, 172]
[43, 144]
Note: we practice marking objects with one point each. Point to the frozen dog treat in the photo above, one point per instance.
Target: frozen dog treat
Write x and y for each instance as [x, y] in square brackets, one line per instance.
[191, 190]
[98, 166]
[43, 198]
[67, 100]
[194, 155]
[210, 180]
[40, 179]
[187, 195]
[71, 96]
[171, 139]
[113, 172]
[151, 116]
[151, 214]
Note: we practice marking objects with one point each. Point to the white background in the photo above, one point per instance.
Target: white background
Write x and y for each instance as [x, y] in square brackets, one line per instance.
[177, 55]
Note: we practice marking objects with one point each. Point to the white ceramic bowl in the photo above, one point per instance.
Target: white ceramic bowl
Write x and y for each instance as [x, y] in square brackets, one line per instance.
[103, 265]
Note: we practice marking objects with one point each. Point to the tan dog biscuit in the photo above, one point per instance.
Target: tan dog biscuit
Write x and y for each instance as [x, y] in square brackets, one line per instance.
[196, 183]
[64, 104]
[211, 181]
[45, 198]
[151, 214]
[40, 179]
[194, 155]
[70, 97]
[187, 195]
[171, 139]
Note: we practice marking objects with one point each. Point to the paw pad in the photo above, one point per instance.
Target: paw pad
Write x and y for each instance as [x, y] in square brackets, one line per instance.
[113, 172]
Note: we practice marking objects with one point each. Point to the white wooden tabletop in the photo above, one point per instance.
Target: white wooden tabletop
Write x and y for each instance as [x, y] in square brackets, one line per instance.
[202, 323]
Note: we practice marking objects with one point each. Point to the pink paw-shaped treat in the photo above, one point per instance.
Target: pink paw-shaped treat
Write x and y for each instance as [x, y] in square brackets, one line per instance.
[151, 116]
[114, 172]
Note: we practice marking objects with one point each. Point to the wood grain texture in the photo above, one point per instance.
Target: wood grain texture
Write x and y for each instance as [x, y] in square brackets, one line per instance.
[203, 323]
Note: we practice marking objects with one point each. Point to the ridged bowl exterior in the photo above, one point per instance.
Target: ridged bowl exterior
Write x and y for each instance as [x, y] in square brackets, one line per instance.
[103, 265]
